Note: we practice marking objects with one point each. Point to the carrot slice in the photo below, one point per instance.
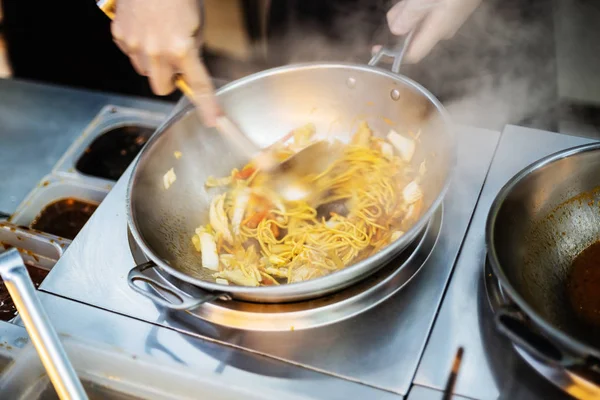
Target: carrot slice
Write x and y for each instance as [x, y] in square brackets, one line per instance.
[253, 220]
[245, 173]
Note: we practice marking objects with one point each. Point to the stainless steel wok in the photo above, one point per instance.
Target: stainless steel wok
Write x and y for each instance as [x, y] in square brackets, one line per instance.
[268, 105]
[539, 223]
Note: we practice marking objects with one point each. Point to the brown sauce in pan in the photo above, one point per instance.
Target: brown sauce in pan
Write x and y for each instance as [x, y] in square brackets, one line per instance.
[583, 285]
[64, 218]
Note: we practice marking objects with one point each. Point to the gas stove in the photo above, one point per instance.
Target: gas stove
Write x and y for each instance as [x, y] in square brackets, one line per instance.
[396, 334]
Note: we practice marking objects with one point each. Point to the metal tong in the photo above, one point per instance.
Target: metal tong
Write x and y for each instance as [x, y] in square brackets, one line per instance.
[42, 334]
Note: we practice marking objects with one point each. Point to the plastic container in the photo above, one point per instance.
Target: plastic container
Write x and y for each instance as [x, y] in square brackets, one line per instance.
[39, 251]
[46, 198]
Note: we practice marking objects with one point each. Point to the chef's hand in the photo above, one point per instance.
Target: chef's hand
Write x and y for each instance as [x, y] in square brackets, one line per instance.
[440, 20]
[162, 39]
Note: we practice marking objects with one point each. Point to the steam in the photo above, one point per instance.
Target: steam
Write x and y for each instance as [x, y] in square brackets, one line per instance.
[499, 68]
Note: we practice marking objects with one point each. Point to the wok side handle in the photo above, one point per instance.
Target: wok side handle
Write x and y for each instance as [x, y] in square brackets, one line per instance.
[183, 302]
[510, 322]
[396, 53]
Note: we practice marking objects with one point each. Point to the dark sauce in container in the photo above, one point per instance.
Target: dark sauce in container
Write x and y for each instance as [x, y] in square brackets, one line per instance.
[110, 154]
[64, 217]
[7, 308]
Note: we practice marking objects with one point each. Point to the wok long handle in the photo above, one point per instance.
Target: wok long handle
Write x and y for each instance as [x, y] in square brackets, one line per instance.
[44, 337]
[184, 302]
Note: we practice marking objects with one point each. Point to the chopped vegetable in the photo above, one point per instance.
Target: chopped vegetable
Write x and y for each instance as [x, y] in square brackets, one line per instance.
[239, 209]
[218, 218]
[253, 220]
[177, 154]
[246, 172]
[405, 146]
[412, 193]
[222, 281]
[196, 243]
[396, 235]
[236, 276]
[216, 182]
[278, 272]
[208, 248]
[169, 178]
[227, 260]
[387, 150]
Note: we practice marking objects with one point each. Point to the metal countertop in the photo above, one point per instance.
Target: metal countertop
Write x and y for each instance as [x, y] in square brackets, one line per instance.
[239, 368]
[38, 123]
[95, 267]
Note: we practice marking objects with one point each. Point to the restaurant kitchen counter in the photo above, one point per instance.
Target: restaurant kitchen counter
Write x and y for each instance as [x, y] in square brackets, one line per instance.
[39, 123]
[490, 367]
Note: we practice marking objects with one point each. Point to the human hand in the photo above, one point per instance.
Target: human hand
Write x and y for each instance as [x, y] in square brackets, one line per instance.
[162, 39]
[437, 20]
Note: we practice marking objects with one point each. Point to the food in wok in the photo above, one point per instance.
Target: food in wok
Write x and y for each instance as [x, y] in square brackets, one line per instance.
[367, 196]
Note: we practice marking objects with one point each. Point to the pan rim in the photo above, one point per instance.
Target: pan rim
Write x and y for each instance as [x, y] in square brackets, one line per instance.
[564, 338]
[322, 283]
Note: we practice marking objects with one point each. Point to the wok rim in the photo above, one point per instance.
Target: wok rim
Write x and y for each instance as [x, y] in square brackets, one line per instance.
[320, 284]
[562, 337]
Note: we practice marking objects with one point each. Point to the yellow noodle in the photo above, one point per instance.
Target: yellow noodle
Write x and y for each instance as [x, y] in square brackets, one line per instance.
[304, 246]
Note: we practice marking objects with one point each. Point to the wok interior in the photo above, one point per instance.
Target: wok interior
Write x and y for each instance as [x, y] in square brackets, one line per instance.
[267, 108]
[548, 219]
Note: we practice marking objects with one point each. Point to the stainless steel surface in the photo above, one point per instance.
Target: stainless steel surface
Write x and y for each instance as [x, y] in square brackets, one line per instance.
[53, 188]
[490, 367]
[340, 306]
[570, 382]
[388, 340]
[223, 365]
[539, 222]
[163, 221]
[110, 117]
[39, 122]
[42, 334]
[108, 372]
